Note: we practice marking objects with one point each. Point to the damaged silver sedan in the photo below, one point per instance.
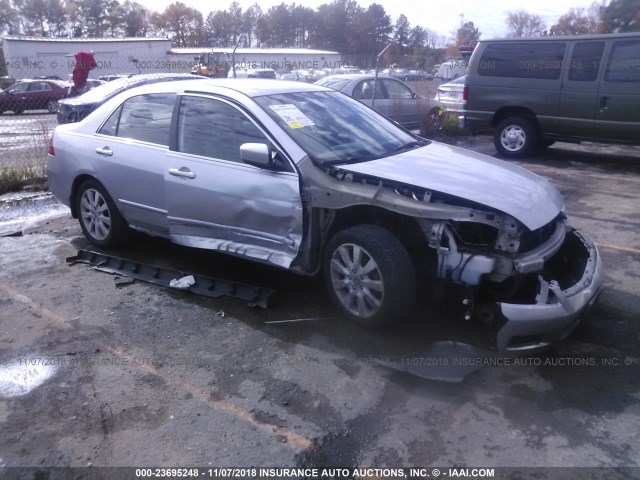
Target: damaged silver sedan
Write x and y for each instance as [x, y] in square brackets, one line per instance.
[310, 180]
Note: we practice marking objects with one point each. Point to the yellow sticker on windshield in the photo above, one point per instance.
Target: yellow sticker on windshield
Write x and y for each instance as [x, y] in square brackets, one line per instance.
[292, 116]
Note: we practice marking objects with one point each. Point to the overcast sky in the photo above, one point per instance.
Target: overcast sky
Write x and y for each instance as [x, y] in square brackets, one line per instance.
[441, 16]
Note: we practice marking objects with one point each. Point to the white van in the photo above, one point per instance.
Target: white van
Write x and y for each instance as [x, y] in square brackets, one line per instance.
[452, 69]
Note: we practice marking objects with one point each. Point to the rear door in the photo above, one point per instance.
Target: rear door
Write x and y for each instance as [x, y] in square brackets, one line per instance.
[618, 106]
[217, 201]
[129, 151]
[579, 95]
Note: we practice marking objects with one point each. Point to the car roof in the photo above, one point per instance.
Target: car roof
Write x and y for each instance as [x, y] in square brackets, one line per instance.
[357, 76]
[249, 87]
[111, 89]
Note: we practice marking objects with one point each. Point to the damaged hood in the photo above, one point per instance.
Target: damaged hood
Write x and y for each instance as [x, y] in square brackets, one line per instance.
[472, 176]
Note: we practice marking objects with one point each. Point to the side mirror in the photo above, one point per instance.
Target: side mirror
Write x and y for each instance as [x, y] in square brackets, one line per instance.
[259, 155]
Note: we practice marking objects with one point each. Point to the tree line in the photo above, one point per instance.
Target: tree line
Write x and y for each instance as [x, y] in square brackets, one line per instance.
[618, 16]
[342, 25]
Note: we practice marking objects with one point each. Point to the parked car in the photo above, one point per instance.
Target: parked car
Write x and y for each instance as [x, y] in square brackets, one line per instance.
[393, 98]
[418, 75]
[94, 82]
[451, 95]
[76, 108]
[6, 82]
[33, 95]
[532, 92]
[252, 73]
[117, 76]
[304, 178]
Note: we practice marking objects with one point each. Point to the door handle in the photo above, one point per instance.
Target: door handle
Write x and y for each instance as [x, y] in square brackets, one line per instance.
[603, 104]
[183, 172]
[104, 151]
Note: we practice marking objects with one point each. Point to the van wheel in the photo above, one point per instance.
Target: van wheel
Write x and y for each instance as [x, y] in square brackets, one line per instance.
[515, 137]
[369, 275]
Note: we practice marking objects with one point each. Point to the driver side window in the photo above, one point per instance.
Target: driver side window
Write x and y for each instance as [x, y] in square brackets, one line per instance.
[364, 90]
[215, 129]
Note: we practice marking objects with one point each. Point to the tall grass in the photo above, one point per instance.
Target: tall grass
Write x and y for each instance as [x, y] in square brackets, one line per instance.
[25, 161]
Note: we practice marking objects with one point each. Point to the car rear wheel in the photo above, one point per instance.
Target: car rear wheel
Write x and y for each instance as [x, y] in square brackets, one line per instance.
[515, 137]
[369, 275]
[99, 218]
[52, 106]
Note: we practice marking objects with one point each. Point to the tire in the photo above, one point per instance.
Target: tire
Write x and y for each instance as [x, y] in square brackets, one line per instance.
[515, 137]
[99, 217]
[52, 106]
[18, 111]
[369, 276]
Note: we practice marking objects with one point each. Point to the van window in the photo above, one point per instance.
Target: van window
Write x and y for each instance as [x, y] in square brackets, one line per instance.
[624, 62]
[585, 61]
[523, 60]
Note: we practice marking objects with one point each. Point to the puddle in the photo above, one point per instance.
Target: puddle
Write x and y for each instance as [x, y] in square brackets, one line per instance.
[18, 380]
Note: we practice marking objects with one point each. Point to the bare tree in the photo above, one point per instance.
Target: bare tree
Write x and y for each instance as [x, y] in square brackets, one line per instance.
[578, 21]
[524, 24]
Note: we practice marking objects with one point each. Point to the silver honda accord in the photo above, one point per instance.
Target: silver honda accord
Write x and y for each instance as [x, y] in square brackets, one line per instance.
[305, 178]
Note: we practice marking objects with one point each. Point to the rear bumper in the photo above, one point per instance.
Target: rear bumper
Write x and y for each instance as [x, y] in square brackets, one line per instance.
[556, 312]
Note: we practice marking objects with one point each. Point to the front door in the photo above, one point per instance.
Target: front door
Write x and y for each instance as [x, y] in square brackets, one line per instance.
[217, 201]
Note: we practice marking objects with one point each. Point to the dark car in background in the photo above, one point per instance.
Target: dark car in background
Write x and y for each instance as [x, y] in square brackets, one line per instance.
[75, 109]
[33, 95]
[393, 98]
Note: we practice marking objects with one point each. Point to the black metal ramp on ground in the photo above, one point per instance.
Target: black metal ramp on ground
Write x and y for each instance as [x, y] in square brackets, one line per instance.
[208, 286]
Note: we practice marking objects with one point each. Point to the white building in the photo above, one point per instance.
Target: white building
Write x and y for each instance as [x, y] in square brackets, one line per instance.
[274, 58]
[29, 57]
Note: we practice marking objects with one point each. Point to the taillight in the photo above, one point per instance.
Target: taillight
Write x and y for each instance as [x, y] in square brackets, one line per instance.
[465, 93]
[52, 152]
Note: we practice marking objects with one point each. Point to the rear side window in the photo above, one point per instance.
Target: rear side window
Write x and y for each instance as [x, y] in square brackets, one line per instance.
[585, 61]
[541, 60]
[146, 118]
[624, 62]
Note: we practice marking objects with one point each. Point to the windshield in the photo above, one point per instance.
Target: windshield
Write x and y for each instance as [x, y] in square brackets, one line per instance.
[333, 128]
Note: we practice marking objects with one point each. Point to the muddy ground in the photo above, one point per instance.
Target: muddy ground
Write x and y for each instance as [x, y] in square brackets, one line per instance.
[138, 375]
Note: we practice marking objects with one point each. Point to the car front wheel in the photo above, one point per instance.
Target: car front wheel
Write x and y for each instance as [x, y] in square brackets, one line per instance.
[515, 137]
[369, 275]
[99, 218]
